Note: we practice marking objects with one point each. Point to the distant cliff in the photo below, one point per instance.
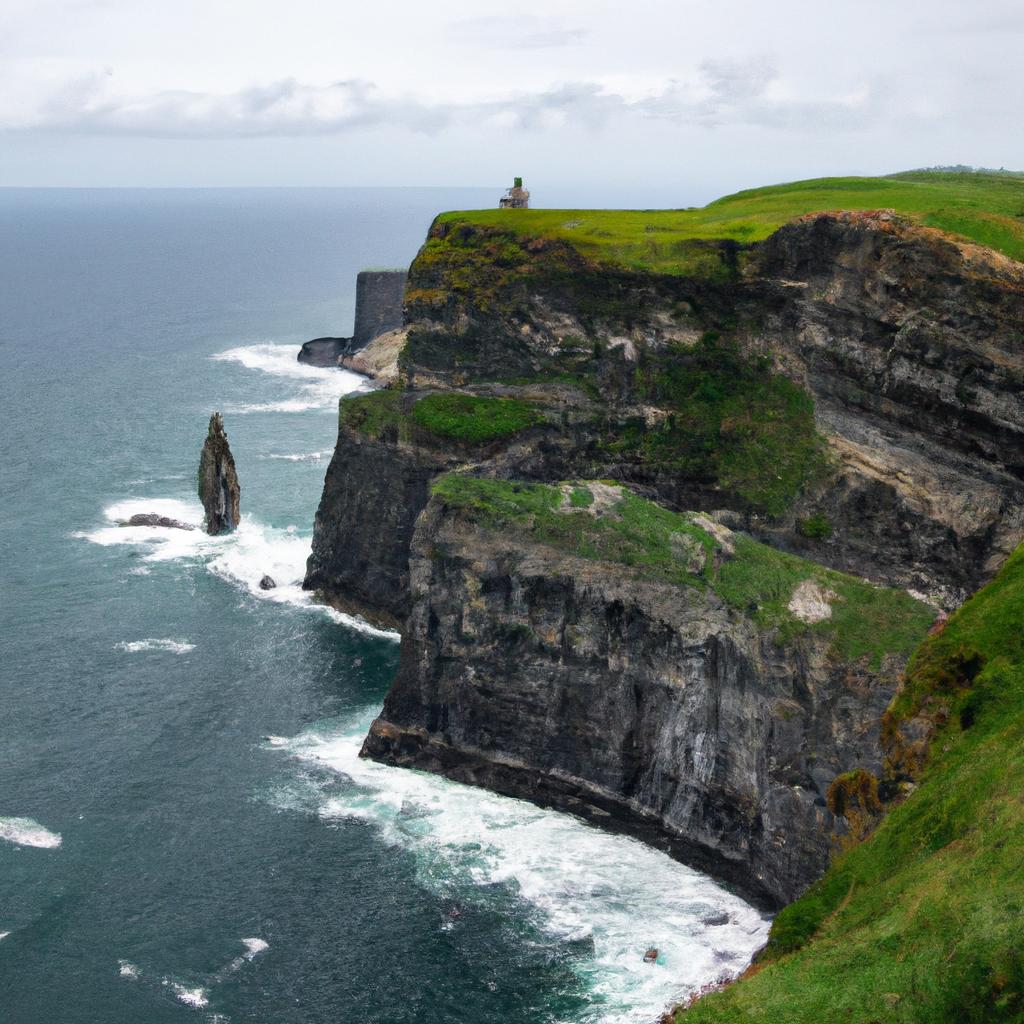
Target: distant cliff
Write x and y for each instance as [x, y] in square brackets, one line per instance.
[379, 309]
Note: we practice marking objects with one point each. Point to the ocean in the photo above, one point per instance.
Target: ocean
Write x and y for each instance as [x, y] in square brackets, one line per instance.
[186, 831]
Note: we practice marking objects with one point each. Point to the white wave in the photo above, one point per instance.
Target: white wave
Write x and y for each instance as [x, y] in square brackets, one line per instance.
[127, 970]
[152, 644]
[242, 557]
[304, 456]
[581, 883]
[196, 997]
[3, 935]
[26, 832]
[254, 947]
[318, 387]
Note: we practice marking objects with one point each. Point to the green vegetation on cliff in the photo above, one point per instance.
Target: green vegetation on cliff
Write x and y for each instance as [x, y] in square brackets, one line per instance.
[469, 419]
[731, 420]
[608, 523]
[985, 208]
[923, 922]
[473, 419]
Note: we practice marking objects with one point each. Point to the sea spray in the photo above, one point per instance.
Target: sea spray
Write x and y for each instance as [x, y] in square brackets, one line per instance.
[315, 387]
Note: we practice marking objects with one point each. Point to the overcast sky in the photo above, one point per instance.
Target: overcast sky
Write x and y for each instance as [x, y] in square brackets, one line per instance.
[688, 99]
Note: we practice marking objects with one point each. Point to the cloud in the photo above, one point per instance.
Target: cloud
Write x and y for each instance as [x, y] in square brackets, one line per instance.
[719, 93]
[508, 32]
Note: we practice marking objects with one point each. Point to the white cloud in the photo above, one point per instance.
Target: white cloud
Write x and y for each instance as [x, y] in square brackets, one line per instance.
[721, 92]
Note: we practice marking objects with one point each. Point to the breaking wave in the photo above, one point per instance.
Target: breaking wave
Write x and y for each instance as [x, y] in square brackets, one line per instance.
[316, 387]
[577, 882]
[26, 832]
[241, 558]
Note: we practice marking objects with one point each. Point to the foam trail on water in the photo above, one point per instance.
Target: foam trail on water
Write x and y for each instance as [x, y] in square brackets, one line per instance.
[579, 883]
[3, 935]
[153, 644]
[242, 557]
[318, 387]
[26, 832]
[303, 456]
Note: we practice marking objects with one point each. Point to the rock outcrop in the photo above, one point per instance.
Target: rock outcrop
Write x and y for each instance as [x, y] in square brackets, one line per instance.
[155, 519]
[379, 307]
[218, 482]
[324, 352]
[645, 705]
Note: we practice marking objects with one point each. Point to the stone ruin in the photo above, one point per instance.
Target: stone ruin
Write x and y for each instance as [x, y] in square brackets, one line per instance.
[516, 197]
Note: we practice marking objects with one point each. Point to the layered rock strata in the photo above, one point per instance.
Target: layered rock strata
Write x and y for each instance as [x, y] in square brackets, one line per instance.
[646, 705]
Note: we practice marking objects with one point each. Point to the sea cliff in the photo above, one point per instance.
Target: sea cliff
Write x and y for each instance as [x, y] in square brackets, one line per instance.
[840, 403]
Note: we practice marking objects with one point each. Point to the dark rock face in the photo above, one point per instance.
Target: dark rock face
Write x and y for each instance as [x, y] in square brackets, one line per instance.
[268, 583]
[153, 519]
[912, 348]
[218, 482]
[373, 492]
[324, 351]
[379, 303]
[641, 705]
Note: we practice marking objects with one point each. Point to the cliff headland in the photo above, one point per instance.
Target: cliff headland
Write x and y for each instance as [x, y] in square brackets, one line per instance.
[665, 503]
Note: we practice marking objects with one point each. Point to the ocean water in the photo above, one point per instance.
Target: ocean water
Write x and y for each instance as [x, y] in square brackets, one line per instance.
[186, 831]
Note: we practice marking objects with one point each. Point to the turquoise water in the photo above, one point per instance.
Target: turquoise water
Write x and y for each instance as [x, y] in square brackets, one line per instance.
[186, 833]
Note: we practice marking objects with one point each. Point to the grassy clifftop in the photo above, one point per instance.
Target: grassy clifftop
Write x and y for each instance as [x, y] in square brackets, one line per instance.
[985, 208]
[924, 921]
[609, 523]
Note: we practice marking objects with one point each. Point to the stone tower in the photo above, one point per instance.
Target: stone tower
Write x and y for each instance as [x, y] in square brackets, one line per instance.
[516, 197]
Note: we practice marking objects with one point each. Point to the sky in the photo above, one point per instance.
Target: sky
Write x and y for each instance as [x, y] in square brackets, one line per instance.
[668, 102]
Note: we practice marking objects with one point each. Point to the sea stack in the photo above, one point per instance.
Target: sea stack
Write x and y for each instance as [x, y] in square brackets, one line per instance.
[218, 482]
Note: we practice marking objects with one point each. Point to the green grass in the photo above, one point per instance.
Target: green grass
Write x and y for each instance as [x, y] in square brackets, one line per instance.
[473, 419]
[732, 421]
[815, 527]
[985, 208]
[867, 622]
[923, 922]
[373, 414]
[455, 417]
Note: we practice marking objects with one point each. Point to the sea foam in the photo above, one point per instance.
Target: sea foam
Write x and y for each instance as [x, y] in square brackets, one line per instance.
[26, 832]
[241, 558]
[577, 882]
[153, 644]
[317, 387]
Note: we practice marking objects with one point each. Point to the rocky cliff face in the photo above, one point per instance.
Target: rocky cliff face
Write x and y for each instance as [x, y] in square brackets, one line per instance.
[218, 482]
[647, 705]
[852, 390]
[373, 492]
[913, 348]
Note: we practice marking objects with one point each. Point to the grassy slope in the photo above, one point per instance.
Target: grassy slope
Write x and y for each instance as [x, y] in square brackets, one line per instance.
[866, 621]
[457, 417]
[924, 921]
[986, 208]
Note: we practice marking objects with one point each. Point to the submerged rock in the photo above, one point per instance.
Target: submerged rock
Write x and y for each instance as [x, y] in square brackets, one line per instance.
[153, 519]
[218, 482]
[267, 583]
